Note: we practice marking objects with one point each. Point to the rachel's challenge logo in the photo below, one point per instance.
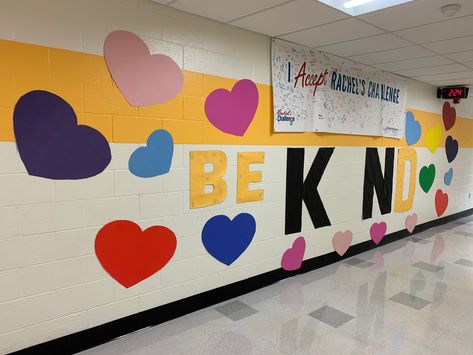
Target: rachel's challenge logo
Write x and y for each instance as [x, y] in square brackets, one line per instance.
[285, 116]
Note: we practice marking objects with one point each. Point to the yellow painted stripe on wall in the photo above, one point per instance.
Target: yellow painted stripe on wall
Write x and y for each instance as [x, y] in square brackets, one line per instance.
[84, 81]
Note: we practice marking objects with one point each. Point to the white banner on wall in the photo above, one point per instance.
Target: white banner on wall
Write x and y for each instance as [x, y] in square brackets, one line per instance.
[316, 93]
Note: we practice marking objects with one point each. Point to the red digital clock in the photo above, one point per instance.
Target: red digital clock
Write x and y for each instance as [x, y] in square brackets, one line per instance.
[453, 92]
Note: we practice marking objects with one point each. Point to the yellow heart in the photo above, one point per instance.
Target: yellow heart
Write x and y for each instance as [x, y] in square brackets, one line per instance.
[432, 138]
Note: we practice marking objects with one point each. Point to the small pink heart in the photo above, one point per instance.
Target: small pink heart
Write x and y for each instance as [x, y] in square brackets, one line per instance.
[232, 112]
[378, 231]
[143, 79]
[411, 222]
[341, 241]
[292, 257]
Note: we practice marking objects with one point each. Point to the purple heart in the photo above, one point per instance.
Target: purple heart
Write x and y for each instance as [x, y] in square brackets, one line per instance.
[451, 148]
[50, 142]
[232, 112]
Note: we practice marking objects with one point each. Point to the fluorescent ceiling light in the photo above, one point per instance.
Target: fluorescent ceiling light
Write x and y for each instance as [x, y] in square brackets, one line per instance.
[353, 3]
[360, 7]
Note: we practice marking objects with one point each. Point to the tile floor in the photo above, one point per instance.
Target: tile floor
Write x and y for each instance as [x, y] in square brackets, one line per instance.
[413, 296]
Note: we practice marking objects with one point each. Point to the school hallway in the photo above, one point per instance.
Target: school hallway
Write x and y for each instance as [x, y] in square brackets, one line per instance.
[411, 296]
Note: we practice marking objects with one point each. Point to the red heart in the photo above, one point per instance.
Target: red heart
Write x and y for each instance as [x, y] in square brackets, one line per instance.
[441, 202]
[449, 115]
[130, 255]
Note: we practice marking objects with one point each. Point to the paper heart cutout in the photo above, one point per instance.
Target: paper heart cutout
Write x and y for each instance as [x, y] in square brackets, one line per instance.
[378, 231]
[449, 115]
[232, 112]
[441, 202]
[341, 241]
[142, 78]
[432, 138]
[413, 129]
[227, 239]
[451, 148]
[411, 222]
[51, 144]
[131, 255]
[293, 257]
[438, 248]
[427, 177]
[447, 178]
[154, 159]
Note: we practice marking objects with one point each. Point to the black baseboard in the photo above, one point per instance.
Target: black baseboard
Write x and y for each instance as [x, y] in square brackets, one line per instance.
[92, 337]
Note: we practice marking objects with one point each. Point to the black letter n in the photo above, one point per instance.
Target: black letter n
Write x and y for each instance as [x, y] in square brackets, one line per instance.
[298, 189]
[374, 180]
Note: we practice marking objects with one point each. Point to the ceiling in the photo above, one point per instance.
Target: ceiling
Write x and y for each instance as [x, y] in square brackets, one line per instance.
[414, 40]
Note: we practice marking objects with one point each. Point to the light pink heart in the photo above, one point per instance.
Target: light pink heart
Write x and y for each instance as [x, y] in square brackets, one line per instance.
[233, 111]
[142, 78]
[378, 231]
[341, 241]
[411, 222]
[293, 257]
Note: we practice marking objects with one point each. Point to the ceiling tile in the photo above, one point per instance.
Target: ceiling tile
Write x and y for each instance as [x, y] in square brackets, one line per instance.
[439, 31]
[224, 10]
[451, 45]
[414, 63]
[415, 13]
[450, 76]
[465, 81]
[465, 56]
[290, 17]
[439, 69]
[344, 30]
[392, 55]
[366, 45]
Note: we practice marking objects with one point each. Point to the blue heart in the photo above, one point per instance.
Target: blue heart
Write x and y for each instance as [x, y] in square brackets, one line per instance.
[447, 178]
[451, 148]
[225, 239]
[154, 159]
[413, 129]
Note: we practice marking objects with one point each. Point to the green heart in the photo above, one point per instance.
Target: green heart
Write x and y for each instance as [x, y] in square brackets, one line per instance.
[426, 177]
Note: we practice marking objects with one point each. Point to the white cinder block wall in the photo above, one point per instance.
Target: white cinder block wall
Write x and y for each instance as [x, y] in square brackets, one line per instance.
[51, 283]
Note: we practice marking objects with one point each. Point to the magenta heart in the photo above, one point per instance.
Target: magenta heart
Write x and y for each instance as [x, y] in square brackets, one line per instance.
[232, 112]
[341, 241]
[411, 222]
[378, 231]
[143, 79]
[292, 257]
